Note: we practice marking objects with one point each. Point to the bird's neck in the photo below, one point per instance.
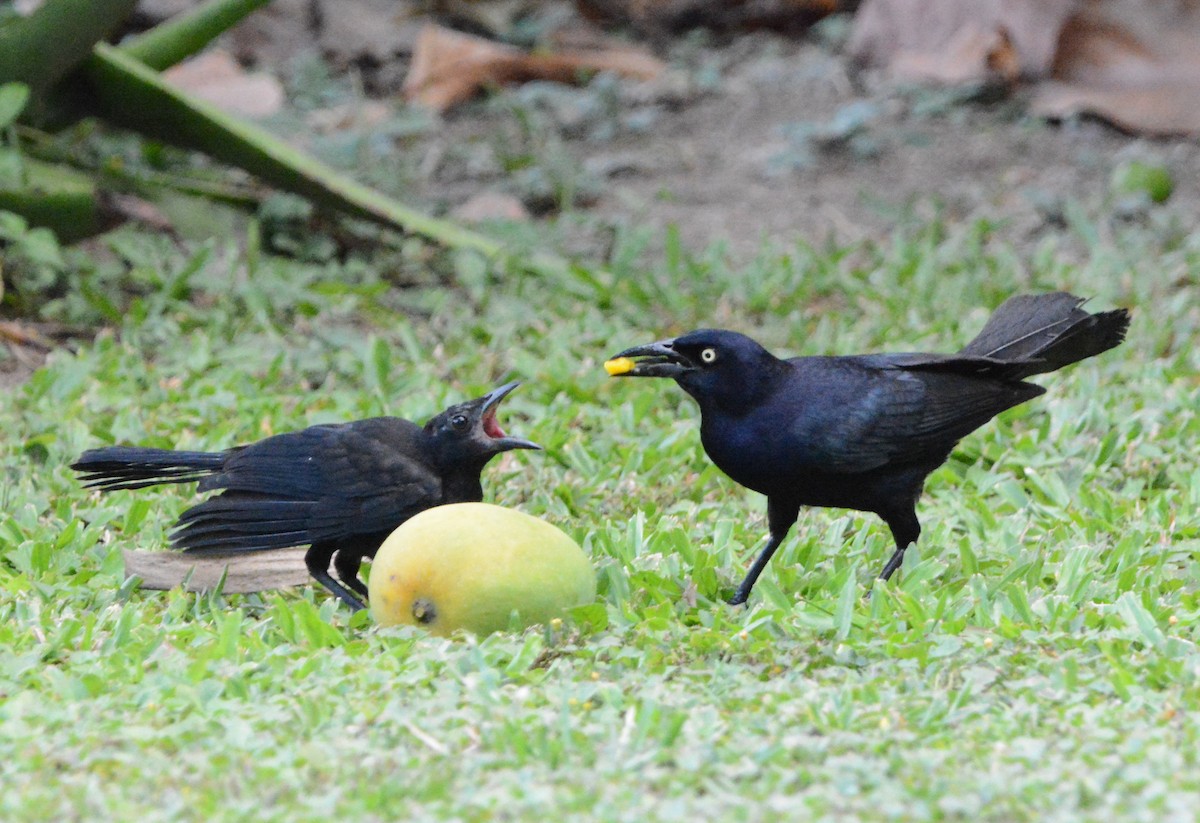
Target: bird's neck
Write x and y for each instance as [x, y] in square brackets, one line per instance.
[737, 398]
[463, 485]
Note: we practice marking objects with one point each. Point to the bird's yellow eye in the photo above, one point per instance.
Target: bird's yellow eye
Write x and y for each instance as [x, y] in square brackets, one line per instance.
[709, 355]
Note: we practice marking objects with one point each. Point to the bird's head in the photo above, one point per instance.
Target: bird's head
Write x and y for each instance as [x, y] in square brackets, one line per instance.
[712, 365]
[467, 433]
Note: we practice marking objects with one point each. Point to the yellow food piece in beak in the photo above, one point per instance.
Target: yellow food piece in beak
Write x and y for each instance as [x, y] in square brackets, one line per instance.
[619, 365]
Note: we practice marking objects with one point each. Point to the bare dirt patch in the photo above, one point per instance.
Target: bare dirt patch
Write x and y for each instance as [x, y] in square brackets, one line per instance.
[788, 143]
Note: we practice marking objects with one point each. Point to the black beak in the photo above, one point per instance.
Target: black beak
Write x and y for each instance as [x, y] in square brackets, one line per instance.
[499, 440]
[659, 360]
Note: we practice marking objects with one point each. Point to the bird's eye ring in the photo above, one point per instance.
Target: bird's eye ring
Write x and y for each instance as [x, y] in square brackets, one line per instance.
[458, 421]
[709, 355]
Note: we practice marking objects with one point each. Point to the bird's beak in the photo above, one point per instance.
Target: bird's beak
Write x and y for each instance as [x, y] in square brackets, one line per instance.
[660, 360]
[491, 402]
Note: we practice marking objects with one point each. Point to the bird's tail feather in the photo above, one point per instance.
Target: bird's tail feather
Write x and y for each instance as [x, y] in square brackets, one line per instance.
[131, 467]
[1045, 332]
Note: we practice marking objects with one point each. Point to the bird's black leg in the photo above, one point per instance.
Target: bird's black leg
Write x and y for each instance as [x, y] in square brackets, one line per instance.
[318, 559]
[905, 530]
[780, 517]
[760, 563]
[348, 562]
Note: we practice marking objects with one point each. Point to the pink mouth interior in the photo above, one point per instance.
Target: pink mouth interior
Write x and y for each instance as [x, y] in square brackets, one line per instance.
[490, 427]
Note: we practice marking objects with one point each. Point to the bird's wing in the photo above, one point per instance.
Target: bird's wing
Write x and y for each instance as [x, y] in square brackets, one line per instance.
[960, 364]
[372, 484]
[910, 409]
[243, 522]
[285, 466]
[321, 483]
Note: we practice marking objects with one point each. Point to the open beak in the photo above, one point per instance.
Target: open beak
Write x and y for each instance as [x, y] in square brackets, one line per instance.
[491, 428]
[657, 360]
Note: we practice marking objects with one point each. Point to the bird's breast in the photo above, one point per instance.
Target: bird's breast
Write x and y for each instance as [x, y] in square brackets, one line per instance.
[747, 450]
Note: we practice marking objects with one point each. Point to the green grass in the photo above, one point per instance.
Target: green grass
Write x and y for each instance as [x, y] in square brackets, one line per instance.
[1036, 658]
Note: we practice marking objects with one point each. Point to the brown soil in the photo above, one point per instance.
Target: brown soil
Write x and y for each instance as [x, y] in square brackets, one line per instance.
[722, 167]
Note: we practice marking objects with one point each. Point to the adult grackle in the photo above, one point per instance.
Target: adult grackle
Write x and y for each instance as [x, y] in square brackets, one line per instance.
[339, 488]
[863, 432]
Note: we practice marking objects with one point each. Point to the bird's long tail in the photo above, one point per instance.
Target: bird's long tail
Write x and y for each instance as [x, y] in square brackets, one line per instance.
[1044, 332]
[130, 467]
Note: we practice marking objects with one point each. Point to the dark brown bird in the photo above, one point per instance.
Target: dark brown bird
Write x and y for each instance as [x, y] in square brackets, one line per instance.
[338, 488]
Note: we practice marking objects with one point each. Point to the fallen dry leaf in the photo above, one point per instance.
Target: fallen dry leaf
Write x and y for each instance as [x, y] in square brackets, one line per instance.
[1135, 63]
[959, 41]
[491, 205]
[449, 67]
[1169, 109]
[216, 78]
[244, 573]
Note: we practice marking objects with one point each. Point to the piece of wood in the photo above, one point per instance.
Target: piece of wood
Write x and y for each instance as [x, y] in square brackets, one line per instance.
[247, 572]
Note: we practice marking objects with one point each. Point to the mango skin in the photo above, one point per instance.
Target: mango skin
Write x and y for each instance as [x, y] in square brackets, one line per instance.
[471, 565]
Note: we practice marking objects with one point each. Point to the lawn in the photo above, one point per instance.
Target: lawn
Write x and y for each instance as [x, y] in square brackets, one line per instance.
[1035, 659]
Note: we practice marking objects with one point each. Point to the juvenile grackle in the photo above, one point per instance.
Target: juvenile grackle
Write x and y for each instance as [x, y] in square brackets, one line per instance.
[339, 488]
[863, 432]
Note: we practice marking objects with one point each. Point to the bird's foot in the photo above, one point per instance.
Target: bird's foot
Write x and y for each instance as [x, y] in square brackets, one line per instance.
[338, 590]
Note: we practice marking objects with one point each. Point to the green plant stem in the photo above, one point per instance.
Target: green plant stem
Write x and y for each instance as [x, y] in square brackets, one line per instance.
[57, 197]
[130, 94]
[180, 37]
[38, 144]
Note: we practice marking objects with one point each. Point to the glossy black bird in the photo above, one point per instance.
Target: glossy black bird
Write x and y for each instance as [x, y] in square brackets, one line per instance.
[339, 488]
[863, 432]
